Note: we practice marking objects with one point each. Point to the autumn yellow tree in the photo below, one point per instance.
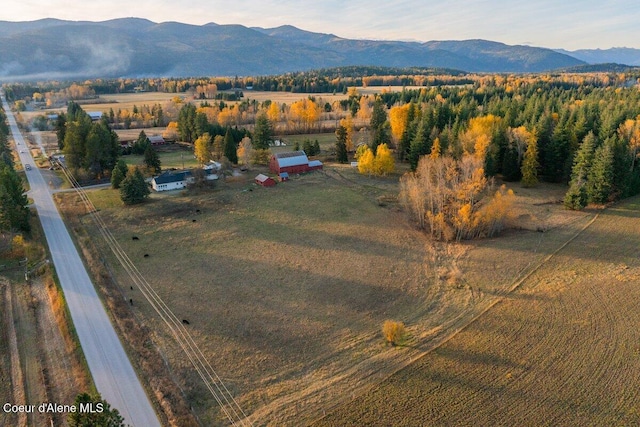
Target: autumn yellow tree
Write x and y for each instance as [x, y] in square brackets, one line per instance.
[347, 123]
[393, 332]
[366, 161]
[453, 200]
[398, 120]
[245, 151]
[435, 149]
[171, 132]
[630, 131]
[381, 164]
[273, 112]
[364, 112]
[305, 114]
[384, 162]
[477, 138]
[202, 148]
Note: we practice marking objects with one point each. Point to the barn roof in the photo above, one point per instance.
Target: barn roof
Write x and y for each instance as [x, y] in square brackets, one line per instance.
[262, 178]
[291, 158]
[315, 163]
[156, 139]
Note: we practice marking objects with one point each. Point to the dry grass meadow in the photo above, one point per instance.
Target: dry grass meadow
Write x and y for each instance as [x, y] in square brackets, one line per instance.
[561, 349]
[286, 289]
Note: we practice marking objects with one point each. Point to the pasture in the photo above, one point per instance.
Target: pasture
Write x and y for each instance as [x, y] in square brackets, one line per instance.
[561, 349]
[286, 288]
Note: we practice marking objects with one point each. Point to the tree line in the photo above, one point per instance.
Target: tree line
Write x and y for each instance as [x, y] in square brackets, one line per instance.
[14, 213]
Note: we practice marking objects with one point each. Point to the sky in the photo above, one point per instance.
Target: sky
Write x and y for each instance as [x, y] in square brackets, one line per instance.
[568, 24]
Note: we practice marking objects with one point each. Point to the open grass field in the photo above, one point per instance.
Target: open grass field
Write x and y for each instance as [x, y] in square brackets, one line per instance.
[178, 159]
[286, 289]
[562, 349]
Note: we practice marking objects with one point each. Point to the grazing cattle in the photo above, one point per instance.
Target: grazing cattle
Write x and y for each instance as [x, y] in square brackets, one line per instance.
[197, 210]
[146, 255]
[131, 287]
[131, 301]
[193, 220]
[135, 238]
[185, 321]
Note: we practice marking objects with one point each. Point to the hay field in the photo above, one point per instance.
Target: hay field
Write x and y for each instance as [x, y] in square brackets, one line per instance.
[562, 349]
[286, 288]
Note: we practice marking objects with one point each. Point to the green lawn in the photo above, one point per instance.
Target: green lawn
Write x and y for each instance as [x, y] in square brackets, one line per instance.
[173, 159]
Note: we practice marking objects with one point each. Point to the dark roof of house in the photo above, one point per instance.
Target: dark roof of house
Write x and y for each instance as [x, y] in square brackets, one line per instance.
[169, 177]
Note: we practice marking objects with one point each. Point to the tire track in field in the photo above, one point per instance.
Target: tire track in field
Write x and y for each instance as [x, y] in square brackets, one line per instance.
[561, 349]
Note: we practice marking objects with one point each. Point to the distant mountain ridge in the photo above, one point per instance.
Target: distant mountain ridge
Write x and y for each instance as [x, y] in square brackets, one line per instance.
[617, 55]
[134, 47]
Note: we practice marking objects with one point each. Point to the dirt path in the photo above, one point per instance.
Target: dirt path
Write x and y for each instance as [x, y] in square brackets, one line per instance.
[24, 308]
[42, 365]
[17, 380]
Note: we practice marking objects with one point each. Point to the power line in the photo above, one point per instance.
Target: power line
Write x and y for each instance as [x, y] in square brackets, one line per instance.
[228, 405]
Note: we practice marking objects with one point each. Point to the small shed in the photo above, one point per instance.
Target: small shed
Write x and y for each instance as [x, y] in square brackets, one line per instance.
[283, 177]
[265, 181]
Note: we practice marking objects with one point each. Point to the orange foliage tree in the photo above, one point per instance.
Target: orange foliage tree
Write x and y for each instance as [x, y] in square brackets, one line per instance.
[452, 199]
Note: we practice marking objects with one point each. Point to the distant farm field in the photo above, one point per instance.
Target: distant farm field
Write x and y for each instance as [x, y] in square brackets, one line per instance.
[563, 349]
[286, 288]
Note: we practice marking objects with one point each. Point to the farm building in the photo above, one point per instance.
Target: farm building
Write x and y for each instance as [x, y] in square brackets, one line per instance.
[178, 180]
[156, 140]
[171, 181]
[293, 162]
[265, 181]
[95, 115]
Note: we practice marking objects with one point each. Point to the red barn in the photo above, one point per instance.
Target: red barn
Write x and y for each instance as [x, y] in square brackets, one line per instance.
[292, 162]
[265, 181]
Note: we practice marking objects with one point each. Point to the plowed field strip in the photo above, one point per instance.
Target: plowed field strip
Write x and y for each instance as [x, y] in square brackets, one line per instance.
[562, 349]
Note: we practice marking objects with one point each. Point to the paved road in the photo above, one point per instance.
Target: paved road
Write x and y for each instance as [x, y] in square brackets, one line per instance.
[109, 365]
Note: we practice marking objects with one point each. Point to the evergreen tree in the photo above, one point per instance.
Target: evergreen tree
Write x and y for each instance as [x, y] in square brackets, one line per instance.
[74, 145]
[106, 417]
[99, 152]
[201, 124]
[230, 147]
[141, 144]
[118, 174]
[187, 123]
[379, 126]
[133, 189]
[14, 214]
[530, 165]
[60, 128]
[262, 133]
[600, 177]
[341, 145]
[421, 143]
[510, 166]
[577, 197]
[152, 160]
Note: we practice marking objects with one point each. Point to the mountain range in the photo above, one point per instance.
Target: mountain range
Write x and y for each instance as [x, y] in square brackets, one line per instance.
[132, 47]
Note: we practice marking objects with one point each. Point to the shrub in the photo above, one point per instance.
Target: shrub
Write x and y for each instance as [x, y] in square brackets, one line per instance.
[393, 331]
